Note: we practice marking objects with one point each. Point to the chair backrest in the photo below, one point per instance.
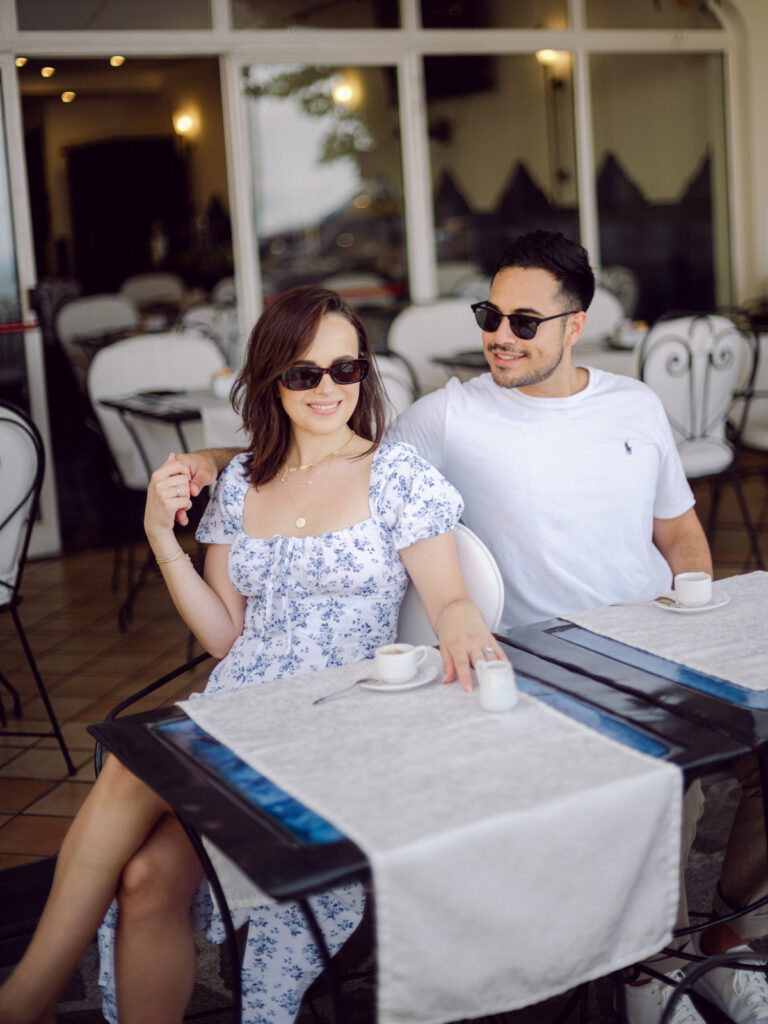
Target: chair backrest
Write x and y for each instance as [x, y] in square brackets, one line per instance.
[174, 361]
[22, 464]
[223, 292]
[219, 323]
[698, 364]
[437, 329]
[603, 316]
[623, 282]
[154, 288]
[484, 583]
[399, 383]
[95, 315]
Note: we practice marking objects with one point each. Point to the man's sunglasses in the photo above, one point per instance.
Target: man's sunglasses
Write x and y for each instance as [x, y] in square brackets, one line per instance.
[303, 378]
[523, 326]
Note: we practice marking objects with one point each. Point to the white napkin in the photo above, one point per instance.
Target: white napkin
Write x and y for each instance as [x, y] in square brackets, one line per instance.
[513, 855]
[730, 642]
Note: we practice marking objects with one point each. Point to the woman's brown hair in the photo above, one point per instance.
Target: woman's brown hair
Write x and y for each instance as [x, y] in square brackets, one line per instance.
[283, 334]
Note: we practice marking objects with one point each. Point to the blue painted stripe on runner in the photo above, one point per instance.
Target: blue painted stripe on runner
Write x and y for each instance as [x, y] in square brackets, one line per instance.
[590, 716]
[663, 667]
[254, 787]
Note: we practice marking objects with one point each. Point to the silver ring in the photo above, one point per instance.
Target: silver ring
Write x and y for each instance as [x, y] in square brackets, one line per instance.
[487, 651]
[178, 491]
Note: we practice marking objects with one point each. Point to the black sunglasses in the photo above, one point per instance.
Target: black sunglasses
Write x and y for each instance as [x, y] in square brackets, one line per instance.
[303, 378]
[523, 326]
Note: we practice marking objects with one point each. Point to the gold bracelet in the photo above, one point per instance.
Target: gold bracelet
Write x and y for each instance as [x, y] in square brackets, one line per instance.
[179, 554]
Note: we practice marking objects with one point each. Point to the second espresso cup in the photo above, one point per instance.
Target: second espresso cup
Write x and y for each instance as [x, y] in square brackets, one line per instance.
[397, 663]
[693, 589]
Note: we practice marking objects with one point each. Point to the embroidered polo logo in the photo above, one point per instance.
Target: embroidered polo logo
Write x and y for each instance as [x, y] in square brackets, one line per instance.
[627, 449]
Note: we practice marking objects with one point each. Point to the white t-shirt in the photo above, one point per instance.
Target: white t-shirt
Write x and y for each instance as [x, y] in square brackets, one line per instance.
[563, 491]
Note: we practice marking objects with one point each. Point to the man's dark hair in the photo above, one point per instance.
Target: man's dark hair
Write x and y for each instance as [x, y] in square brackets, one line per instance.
[564, 259]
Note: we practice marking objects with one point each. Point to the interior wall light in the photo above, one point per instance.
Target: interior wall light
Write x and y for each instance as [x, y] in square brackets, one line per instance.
[20, 62]
[186, 123]
[347, 90]
[47, 71]
[68, 96]
[116, 62]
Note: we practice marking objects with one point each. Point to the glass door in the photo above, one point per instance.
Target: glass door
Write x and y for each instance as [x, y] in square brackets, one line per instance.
[22, 367]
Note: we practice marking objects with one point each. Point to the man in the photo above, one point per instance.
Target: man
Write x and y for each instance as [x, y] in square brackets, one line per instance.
[571, 477]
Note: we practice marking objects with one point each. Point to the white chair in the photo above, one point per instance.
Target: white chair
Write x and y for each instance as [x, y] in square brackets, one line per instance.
[174, 361]
[484, 583]
[700, 365]
[451, 274]
[603, 316]
[437, 329]
[89, 319]
[399, 383]
[624, 284]
[219, 323]
[223, 292]
[22, 466]
[155, 288]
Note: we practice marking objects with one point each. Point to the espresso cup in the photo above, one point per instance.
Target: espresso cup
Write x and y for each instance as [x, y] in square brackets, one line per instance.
[496, 682]
[397, 663]
[693, 589]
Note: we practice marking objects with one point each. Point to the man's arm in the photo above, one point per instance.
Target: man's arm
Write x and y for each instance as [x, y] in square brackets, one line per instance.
[683, 543]
[204, 468]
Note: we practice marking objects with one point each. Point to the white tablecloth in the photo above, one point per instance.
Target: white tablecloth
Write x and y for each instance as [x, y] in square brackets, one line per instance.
[513, 855]
[730, 642]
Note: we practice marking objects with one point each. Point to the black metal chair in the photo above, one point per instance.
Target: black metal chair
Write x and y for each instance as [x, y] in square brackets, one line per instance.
[702, 366]
[22, 466]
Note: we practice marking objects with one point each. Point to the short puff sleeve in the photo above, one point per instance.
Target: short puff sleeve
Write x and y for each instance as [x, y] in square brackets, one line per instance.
[223, 517]
[411, 497]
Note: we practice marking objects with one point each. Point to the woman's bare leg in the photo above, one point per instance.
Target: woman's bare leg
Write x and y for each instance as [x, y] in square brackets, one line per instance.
[155, 947]
[115, 820]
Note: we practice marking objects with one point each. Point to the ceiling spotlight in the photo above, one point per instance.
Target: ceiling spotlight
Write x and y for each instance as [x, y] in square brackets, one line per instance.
[47, 71]
[68, 96]
[20, 62]
[116, 62]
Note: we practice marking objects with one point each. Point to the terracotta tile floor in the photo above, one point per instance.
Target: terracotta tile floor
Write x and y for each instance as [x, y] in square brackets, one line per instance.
[70, 614]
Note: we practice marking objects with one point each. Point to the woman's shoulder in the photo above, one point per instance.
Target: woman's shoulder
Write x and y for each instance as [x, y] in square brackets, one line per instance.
[398, 464]
[394, 454]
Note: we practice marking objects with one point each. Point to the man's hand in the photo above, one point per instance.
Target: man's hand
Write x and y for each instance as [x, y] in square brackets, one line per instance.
[203, 470]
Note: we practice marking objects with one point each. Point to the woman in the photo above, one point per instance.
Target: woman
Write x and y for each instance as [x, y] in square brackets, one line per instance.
[313, 534]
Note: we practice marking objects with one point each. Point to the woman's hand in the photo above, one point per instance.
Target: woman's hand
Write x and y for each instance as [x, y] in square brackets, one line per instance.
[464, 640]
[433, 565]
[167, 495]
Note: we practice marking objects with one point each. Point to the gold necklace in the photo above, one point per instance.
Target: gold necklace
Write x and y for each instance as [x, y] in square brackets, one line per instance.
[301, 520]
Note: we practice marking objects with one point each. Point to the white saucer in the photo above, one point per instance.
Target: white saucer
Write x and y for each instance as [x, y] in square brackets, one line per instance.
[716, 602]
[426, 674]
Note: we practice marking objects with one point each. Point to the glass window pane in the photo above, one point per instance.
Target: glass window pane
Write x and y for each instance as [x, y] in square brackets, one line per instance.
[661, 176]
[13, 367]
[310, 14]
[502, 156]
[647, 14]
[329, 196]
[79, 15]
[464, 14]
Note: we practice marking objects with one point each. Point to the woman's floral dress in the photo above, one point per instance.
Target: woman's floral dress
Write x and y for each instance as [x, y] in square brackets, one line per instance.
[311, 603]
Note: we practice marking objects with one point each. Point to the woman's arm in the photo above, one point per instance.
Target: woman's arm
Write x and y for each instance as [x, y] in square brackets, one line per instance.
[211, 607]
[433, 565]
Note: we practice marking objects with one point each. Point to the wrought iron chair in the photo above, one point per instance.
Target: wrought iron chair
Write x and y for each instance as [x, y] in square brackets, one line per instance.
[701, 365]
[22, 465]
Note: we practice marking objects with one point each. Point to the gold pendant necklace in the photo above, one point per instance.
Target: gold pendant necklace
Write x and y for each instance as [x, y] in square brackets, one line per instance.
[301, 520]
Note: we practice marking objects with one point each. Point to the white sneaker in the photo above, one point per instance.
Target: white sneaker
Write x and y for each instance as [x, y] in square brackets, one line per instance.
[646, 1003]
[742, 995]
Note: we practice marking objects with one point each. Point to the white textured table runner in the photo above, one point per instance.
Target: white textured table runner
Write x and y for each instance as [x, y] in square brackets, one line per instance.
[730, 642]
[513, 855]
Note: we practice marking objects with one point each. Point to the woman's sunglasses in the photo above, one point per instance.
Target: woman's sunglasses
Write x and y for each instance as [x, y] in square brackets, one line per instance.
[523, 327]
[303, 378]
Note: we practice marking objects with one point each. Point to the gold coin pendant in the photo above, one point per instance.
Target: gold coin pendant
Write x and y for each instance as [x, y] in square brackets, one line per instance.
[301, 522]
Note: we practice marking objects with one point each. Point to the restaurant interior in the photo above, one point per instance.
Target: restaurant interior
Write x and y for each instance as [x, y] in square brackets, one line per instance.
[187, 162]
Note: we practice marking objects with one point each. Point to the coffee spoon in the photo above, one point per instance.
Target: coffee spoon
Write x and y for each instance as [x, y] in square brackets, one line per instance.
[345, 689]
